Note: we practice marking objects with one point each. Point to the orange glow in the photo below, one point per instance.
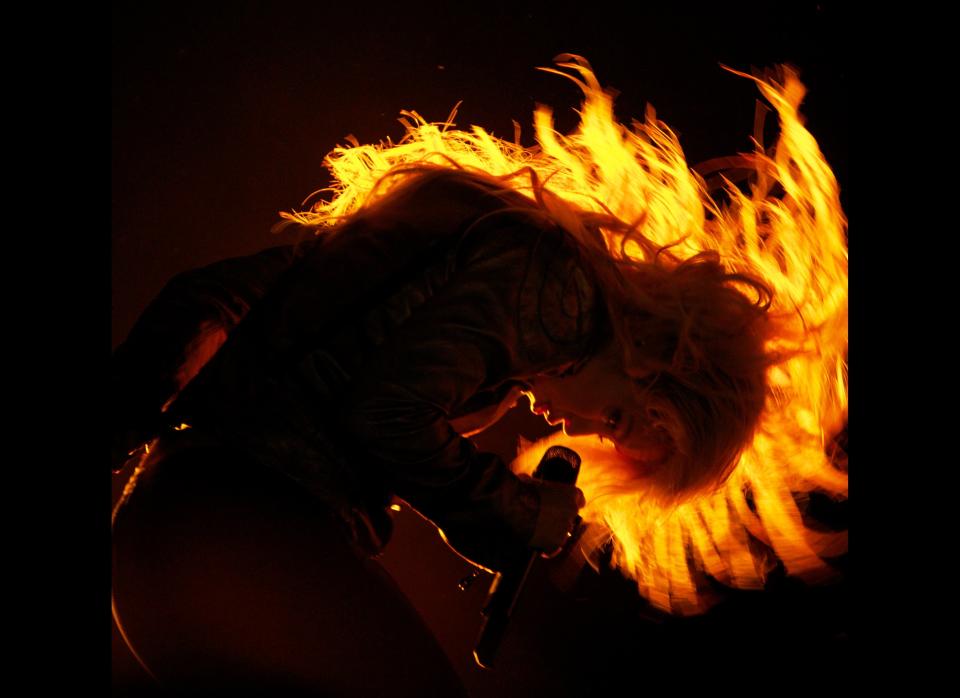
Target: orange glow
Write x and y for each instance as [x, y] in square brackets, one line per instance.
[787, 226]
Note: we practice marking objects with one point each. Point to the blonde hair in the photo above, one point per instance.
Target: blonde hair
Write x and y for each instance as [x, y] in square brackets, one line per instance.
[704, 340]
[692, 332]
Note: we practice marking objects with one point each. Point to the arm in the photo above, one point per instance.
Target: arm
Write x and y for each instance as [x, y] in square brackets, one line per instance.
[465, 338]
[177, 334]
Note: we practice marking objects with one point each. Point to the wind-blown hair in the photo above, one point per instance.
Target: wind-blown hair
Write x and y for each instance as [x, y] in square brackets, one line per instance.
[693, 333]
[704, 340]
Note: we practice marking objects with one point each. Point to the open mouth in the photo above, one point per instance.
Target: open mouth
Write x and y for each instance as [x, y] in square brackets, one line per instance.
[543, 409]
[552, 421]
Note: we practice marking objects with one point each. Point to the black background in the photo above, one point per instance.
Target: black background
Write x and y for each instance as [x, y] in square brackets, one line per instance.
[221, 116]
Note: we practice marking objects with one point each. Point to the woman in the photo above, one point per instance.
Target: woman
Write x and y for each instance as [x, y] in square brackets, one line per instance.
[362, 359]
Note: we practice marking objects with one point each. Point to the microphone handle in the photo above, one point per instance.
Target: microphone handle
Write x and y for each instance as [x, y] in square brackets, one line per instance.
[559, 464]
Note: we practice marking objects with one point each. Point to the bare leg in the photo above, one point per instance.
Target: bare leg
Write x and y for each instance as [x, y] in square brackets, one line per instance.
[228, 577]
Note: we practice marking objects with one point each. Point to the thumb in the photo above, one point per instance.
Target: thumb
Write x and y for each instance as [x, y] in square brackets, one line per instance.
[581, 499]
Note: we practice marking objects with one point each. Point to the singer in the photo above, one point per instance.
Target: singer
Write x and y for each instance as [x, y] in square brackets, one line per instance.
[284, 398]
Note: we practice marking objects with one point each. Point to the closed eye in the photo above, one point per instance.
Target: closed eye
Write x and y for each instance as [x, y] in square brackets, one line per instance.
[613, 420]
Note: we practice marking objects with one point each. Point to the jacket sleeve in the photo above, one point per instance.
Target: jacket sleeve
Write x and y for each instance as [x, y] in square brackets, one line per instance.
[519, 303]
[178, 332]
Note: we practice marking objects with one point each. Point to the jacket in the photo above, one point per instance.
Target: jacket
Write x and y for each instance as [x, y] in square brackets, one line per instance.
[356, 350]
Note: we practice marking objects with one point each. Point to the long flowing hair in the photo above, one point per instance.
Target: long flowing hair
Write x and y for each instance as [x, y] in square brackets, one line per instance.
[692, 332]
[687, 260]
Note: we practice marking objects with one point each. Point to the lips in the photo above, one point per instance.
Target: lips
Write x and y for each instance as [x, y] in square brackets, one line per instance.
[551, 420]
[541, 408]
[554, 421]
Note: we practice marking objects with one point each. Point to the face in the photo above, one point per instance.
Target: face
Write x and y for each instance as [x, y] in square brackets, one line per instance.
[599, 399]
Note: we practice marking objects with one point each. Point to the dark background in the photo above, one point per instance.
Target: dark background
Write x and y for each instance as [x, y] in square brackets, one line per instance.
[221, 117]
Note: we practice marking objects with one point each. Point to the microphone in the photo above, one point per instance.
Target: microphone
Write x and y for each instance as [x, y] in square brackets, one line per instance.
[559, 464]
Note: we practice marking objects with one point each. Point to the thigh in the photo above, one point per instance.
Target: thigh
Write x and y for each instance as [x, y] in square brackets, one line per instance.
[228, 576]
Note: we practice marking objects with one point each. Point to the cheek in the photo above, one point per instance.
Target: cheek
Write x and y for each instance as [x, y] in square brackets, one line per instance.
[574, 425]
[652, 451]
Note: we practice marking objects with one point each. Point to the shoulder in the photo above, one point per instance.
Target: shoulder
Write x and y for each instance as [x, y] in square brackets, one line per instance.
[253, 273]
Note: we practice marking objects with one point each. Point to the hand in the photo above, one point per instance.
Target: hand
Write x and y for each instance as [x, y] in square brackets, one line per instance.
[557, 519]
[479, 421]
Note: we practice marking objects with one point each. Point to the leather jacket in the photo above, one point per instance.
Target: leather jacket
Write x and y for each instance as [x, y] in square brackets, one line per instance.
[361, 346]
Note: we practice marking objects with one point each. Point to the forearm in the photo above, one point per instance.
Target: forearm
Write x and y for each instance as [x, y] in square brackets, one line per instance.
[177, 334]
